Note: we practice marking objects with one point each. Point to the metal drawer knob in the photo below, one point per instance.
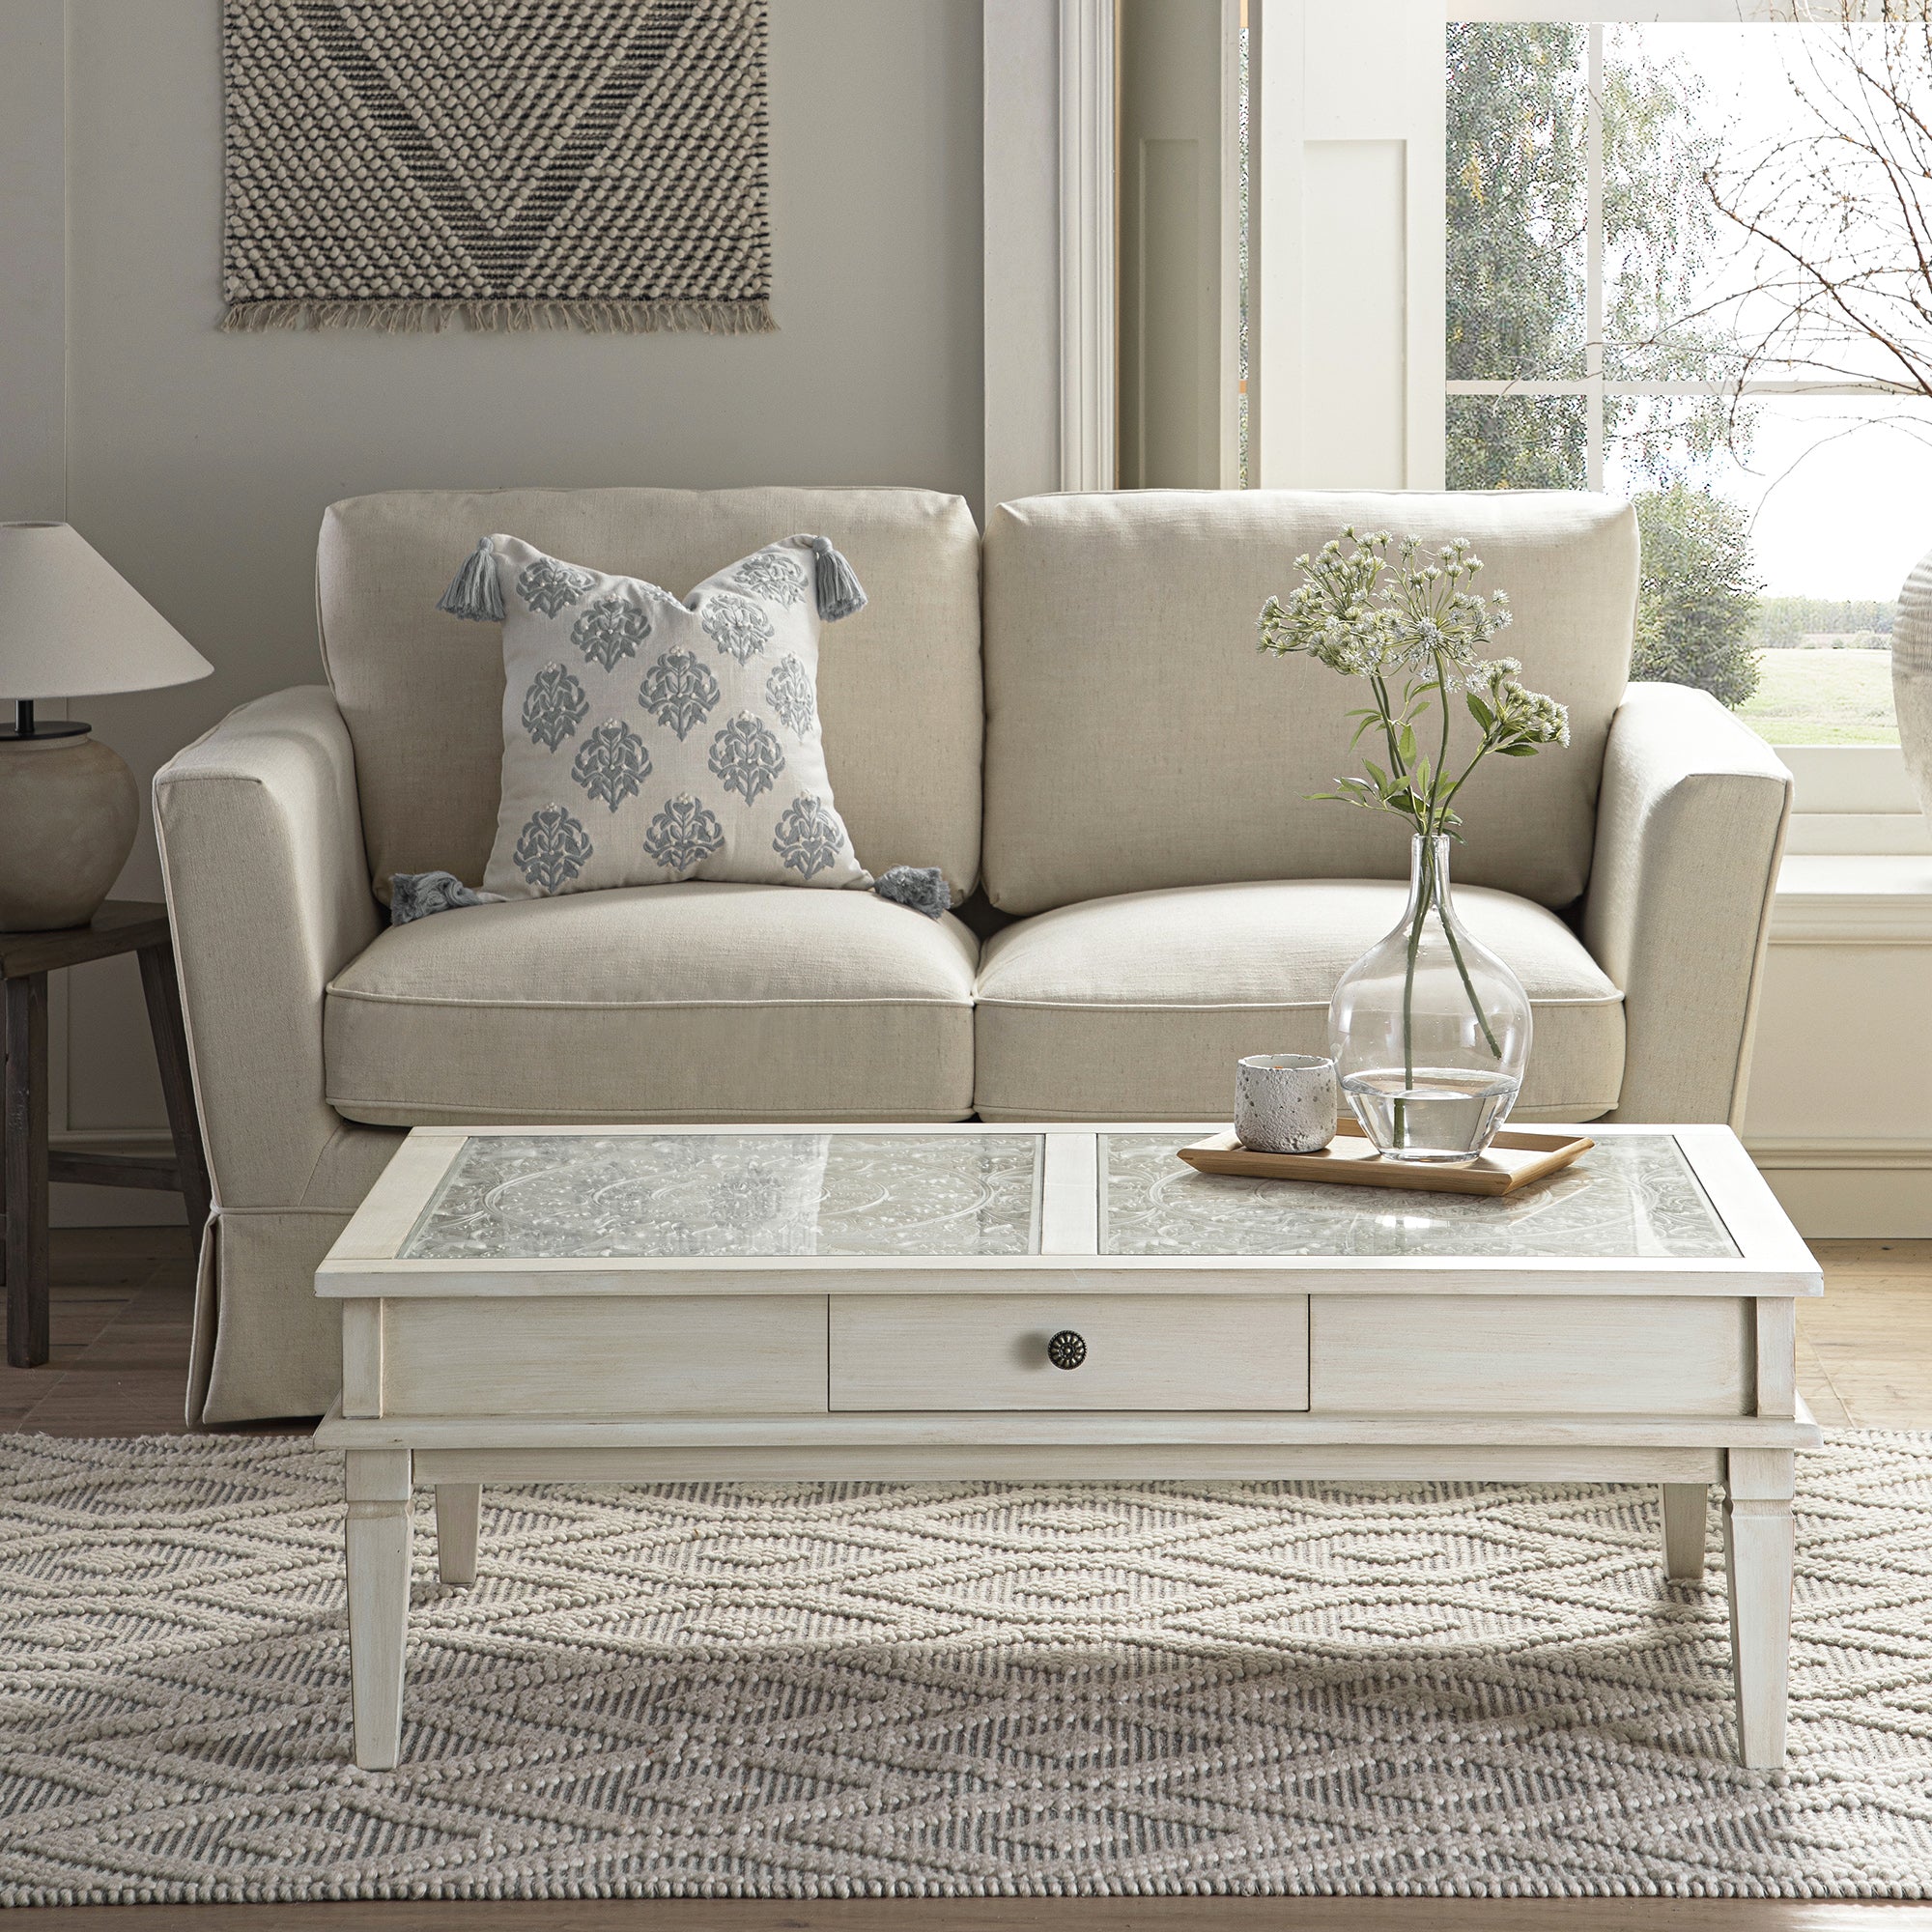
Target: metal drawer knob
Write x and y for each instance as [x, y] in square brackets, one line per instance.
[1066, 1350]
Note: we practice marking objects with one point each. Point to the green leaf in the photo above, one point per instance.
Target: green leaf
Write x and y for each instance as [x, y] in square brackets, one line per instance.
[1376, 771]
[1406, 745]
[1481, 712]
[1518, 751]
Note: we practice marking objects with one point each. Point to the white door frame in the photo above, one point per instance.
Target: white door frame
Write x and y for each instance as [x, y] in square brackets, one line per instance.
[1049, 247]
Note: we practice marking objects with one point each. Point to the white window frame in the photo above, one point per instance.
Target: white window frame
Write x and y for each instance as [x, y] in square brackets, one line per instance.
[1866, 783]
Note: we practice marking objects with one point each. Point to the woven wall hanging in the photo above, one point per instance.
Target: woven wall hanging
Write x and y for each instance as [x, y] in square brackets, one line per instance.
[506, 164]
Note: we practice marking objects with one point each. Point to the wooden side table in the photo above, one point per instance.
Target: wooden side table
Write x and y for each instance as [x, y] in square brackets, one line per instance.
[26, 958]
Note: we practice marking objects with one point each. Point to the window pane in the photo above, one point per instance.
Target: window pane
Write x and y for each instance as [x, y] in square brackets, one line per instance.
[1821, 507]
[1824, 698]
[1516, 193]
[1517, 443]
[1707, 127]
[1669, 99]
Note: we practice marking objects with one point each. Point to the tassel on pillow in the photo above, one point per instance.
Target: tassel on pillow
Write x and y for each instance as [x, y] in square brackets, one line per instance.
[921, 887]
[839, 593]
[473, 592]
[417, 894]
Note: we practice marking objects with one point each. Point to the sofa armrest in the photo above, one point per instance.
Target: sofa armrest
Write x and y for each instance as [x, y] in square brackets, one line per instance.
[1689, 830]
[267, 888]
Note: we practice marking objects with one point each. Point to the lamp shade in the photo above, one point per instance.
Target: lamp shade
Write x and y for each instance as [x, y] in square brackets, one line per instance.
[72, 626]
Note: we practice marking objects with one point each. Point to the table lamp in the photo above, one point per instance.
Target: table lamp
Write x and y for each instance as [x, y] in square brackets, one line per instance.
[70, 626]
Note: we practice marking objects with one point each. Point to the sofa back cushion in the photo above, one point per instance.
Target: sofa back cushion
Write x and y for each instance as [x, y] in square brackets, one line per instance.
[422, 693]
[1136, 740]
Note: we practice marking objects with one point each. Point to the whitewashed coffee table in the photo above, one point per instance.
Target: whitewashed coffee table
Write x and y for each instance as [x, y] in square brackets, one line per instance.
[647, 1304]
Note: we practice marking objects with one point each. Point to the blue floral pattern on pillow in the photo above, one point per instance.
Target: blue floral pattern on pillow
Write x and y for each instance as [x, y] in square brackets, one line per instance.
[685, 832]
[611, 764]
[547, 585]
[809, 837]
[788, 692]
[551, 849]
[679, 691]
[554, 706]
[771, 575]
[746, 756]
[735, 625]
[610, 629]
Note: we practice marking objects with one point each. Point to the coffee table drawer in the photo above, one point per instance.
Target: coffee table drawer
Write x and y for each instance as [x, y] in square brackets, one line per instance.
[990, 1351]
[1528, 1354]
[753, 1354]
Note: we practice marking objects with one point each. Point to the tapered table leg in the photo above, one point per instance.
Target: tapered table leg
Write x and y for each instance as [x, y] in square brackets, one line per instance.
[26, 1193]
[459, 1509]
[379, 1517]
[1757, 1561]
[1683, 1505]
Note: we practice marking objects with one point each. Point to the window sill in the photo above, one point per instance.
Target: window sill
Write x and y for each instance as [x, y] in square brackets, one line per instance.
[1837, 898]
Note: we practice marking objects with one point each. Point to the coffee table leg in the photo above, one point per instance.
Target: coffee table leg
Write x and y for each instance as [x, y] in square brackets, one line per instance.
[1684, 1529]
[458, 1508]
[1757, 1562]
[380, 1514]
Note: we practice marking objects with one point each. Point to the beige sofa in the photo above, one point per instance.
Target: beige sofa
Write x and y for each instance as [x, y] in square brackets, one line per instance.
[1069, 718]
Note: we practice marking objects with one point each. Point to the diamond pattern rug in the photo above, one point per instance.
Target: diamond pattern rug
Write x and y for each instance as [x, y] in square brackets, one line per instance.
[946, 1689]
[503, 163]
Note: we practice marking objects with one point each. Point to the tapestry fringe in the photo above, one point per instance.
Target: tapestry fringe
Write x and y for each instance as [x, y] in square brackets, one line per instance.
[714, 318]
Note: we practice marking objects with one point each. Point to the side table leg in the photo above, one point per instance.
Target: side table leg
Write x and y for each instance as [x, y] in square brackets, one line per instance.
[459, 1509]
[1683, 1505]
[165, 1022]
[26, 1169]
[1757, 1561]
[380, 1519]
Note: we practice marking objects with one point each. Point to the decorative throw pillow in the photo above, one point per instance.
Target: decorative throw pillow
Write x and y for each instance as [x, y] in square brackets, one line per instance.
[648, 739]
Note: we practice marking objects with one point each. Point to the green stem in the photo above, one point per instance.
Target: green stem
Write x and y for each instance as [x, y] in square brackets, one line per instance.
[1475, 1005]
[1482, 751]
[1425, 875]
[1396, 766]
[1442, 751]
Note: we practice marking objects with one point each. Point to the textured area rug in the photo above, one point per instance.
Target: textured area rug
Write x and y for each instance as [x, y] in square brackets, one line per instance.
[946, 1689]
[505, 162]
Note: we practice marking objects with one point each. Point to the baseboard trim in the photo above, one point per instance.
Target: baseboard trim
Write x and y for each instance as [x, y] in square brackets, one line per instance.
[1774, 1153]
[1850, 1189]
[74, 1205]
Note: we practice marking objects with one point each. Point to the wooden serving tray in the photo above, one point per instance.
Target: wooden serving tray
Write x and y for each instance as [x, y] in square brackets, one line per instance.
[1514, 1161]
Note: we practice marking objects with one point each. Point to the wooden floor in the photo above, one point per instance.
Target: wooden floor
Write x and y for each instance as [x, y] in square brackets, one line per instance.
[123, 1300]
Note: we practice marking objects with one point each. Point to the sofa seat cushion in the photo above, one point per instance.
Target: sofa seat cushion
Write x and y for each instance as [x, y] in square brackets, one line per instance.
[698, 1002]
[1137, 1007]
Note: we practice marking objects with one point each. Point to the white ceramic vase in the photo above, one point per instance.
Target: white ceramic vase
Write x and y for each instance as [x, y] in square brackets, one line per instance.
[1911, 677]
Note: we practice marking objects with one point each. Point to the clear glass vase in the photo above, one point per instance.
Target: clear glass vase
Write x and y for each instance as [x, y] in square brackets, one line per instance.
[1430, 1031]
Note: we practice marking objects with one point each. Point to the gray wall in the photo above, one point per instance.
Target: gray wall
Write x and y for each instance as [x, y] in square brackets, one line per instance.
[200, 463]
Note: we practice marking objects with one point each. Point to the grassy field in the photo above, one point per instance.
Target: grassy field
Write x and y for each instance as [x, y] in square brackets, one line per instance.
[1822, 698]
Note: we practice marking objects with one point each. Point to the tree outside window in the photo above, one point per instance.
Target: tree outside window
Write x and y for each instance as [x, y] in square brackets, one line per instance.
[1610, 324]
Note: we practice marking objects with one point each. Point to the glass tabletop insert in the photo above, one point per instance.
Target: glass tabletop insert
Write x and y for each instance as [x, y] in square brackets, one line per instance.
[510, 1197]
[1631, 1195]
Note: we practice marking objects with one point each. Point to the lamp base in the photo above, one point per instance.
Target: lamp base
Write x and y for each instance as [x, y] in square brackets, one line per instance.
[71, 811]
